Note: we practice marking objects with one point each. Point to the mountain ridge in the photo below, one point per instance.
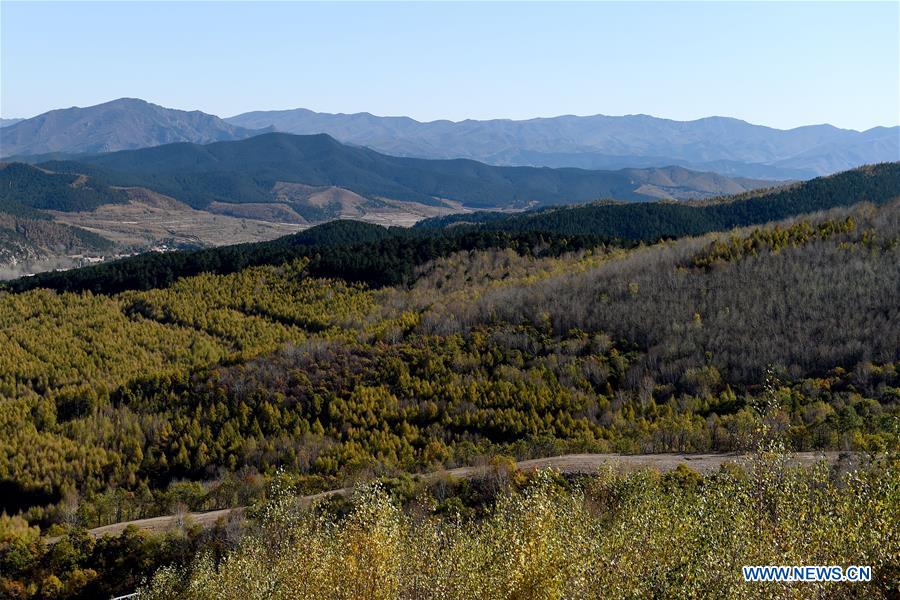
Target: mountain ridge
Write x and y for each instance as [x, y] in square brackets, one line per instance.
[125, 123]
[252, 189]
[378, 255]
[595, 141]
[725, 145]
[248, 170]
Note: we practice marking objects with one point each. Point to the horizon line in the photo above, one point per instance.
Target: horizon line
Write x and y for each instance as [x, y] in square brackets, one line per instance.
[467, 119]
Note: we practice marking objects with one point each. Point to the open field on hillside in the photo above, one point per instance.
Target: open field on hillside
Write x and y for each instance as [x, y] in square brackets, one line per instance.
[149, 218]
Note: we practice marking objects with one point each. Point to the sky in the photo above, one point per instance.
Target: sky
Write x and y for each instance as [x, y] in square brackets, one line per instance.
[777, 64]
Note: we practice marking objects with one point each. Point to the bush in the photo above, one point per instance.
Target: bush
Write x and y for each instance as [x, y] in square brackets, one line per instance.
[624, 535]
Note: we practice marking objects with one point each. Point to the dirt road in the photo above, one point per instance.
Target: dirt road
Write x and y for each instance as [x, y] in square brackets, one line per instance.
[569, 463]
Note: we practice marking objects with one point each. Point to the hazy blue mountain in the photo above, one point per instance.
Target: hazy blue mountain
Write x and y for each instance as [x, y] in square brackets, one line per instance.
[118, 125]
[248, 171]
[8, 122]
[720, 144]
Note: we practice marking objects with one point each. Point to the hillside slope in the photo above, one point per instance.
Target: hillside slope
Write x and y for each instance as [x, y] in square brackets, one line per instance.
[248, 171]
[389, 256]
[28, 235]
[26, 241]
[661, 348]
[652, 221]
[24, 187]
[206, 394]
[569, 464]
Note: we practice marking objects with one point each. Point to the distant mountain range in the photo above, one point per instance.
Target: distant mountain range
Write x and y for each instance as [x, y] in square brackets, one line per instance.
[118, 125]
[8, 122]
[719, 144]
[282, 167]
[716, 144]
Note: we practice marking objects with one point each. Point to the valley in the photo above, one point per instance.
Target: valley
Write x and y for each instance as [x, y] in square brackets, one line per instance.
[150, 219]
[175, 196]
[257, 189]
[171, 404]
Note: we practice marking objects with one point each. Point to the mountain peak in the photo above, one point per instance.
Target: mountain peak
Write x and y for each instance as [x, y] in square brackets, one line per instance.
[131, 102]
[121, 124]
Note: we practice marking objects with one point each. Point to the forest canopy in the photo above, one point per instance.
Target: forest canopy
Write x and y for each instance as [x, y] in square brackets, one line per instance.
[193, 381]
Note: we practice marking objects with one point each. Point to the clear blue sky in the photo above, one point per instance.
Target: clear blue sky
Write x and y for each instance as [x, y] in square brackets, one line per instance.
[776, 64]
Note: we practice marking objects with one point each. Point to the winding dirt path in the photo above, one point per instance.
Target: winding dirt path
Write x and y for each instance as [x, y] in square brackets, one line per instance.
[569, 463]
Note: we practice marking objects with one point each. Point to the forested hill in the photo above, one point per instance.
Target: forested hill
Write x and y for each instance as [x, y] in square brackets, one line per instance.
[24, 188]
[247, 170]
[653, 221]
[27, 233]
[206, 394]
[379, 256]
